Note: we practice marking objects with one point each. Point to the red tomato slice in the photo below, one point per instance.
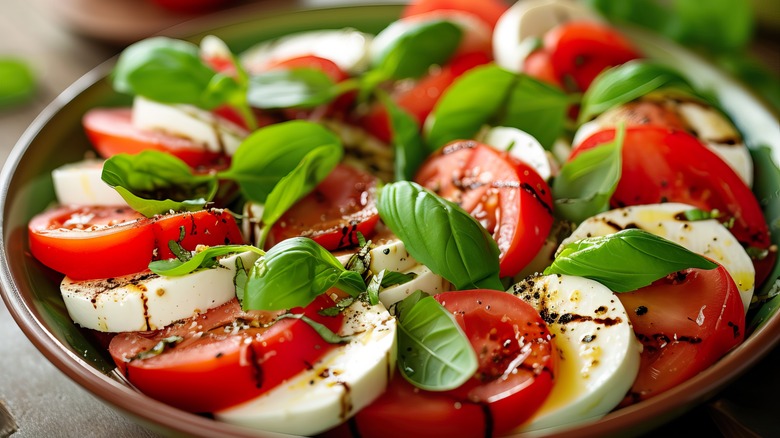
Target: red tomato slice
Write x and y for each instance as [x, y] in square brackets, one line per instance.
[504, 194]
[538, 65]
[102, 242]
[342, 205]
[226, 356]
[488, 11]
[662, 165]
[517, 364]
[686, 322]
[326, 66]
[111, 132]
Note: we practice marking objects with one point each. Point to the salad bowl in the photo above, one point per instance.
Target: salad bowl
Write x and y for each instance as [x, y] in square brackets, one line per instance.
[32, 294]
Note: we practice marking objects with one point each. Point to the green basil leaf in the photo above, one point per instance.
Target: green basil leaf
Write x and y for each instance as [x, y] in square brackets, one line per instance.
[392, 278]
[158, 349]
[471, 101]
[272, 152]
[417, 48]
[154, 182]
[373, 287]
[293, 273]
[17, 82]
[291, 88]
[648, 13]
[625, 261]
[408, 144]
[239, 279]
[586, 183]
[338, 308]
[325, 333]
[718, 25]
[536, 108]
[205, 258]
[627, 82]
[433, 352]
[440, 235]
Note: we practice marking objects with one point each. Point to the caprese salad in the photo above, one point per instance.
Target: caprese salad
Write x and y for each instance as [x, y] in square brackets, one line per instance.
[484, 220]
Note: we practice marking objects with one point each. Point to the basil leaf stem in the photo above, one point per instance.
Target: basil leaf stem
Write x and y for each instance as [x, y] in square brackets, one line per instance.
[325, 333]
[625, 261]
[200, 259]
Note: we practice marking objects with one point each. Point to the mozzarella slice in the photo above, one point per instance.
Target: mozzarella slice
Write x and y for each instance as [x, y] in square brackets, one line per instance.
[147, 301]
[520, 145]
[706, 237]
[599, 354]
[203, 128]
[344, 381]
[519, 29]
[347, 48]
[81, 184]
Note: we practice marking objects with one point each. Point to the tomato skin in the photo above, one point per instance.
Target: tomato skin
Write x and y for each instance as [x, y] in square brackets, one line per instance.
[502, 394]
[111, 132]
[488, 11]
[206, 227]
[663, 165]
[192, 6]
[342, 205]
[504, 194]
[686, 322]
[222, 360]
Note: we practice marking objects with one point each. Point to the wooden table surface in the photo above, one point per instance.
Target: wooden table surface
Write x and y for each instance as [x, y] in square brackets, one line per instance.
[43, 401]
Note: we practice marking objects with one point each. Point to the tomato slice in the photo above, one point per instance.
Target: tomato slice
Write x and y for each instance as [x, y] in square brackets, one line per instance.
[226, 356]
[488, 11]
[663, 165]
[111, 132]
[517, 364]
[504, 194]
[341, 206]
[103, 242]
[686, 322]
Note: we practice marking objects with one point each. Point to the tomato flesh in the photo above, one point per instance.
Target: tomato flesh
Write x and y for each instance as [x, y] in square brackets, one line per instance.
[226, 356]
[488, 11]
[504, 194]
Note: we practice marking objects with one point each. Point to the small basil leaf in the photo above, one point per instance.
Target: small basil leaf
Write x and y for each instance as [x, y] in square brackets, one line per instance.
[433, 352]
[536, 108]
[351, 282]
[373, 287]
[392, 278]
[697, 214]
[239, 280]
[417, 48]
[325, 333]
[627, 82]
[154, 182]
[440, 235]
[338, 308]
[469, 103]
[17, 82]
[272, 152]
[291, 88]
[158, 349]
[625, 261]
[586, 183]
[292, 274]
[177, 268]
[409, 147]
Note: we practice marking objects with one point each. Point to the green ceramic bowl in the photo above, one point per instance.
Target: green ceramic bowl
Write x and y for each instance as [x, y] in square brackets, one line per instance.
[31, 291]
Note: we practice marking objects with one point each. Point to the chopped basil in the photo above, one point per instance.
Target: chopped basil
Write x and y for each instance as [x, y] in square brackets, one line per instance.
[372, 291]
[338, 308]
[158, 349]
[697, 214]
[239, 279]
[200, 260]
[392, 278]
[325, 333]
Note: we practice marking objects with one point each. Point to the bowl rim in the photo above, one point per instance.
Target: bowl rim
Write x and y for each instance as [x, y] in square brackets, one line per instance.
[154, 414]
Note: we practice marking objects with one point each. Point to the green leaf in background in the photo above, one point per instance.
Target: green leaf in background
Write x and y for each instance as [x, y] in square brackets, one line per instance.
[272, 152]
[417, 48]
[440, 235]
[293, 88]
[410, 150]
[718, 25]
[626, 260]
[586, 183]
[205, 258]
[536, 108]
[154, 182]
[433, 352]
[17, 82]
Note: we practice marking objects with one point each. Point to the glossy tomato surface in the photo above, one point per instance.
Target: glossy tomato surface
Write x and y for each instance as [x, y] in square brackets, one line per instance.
[222, 357]
[488, 11]
[206, 227]
[517, 365]
[505, 195]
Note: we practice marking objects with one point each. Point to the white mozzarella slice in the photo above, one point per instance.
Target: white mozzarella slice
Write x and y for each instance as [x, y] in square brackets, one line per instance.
[706, 237]
[599, 354]
[201, 127]
[347, 48]
[344, 381]
[519, 28]
[80, 184]
[147, 301]
[521, 145]
[212, 47]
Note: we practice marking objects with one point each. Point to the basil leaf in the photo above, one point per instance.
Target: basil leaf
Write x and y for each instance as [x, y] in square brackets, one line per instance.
[207, 257]
[239, 279]
[325, 333]
[627, 82]
[373, 287]
[648, 13]
[272, 152]
[338, 308]
[470, 102]
[17, 82]
[153, 182]
[625, 261]
[719, 25]
[417, 48]
[392, 278]
[158, 349]
[293, 273]
[536, 108]
[440, 235]
[586, 183]
[409, 147]
[433, 352]
[291, 88]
